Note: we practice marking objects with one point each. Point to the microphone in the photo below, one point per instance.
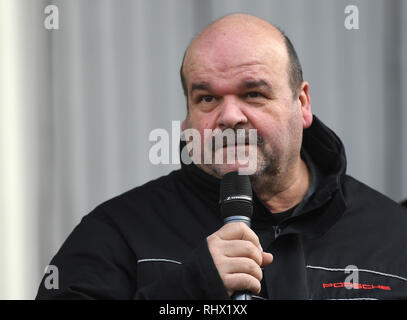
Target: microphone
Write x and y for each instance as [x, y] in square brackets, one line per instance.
[236, 205]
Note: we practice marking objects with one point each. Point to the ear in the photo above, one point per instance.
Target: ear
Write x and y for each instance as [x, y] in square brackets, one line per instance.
[305, 104]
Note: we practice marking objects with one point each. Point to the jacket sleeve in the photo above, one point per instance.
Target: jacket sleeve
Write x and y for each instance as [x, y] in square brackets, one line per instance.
[95, 262]
[197, 278]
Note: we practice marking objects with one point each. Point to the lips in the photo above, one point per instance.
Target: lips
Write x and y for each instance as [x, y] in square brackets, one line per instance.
[236, 142]
[232, 139]
[234, 145]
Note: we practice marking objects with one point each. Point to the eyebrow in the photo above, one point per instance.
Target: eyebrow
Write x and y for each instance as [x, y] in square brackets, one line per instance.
[253, 84]
[248, 84]
[200, 86]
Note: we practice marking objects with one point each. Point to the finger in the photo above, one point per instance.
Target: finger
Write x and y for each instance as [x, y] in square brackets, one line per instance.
[242, 248]
[267, 258]
[238, 231]
[242, 281]
[242, 265]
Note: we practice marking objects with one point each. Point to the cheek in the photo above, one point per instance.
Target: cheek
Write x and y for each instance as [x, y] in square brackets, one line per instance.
[275, 123]
[199, 125]
[274, 134]
[201, 122]
[273, 137]
[265, 124]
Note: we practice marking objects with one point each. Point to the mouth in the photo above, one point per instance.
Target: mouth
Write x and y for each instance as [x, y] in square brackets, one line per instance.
[235, 144]
[244, 141]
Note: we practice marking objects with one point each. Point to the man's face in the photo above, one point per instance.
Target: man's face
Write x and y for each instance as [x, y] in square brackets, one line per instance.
[239, 82]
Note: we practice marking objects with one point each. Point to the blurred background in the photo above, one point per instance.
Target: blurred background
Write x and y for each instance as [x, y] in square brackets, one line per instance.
[77, 103]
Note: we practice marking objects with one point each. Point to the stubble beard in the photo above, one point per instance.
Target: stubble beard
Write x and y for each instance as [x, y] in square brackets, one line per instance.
[270, 173]
[267, 165]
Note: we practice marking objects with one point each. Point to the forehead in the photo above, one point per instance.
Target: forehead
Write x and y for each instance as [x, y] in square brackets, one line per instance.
[239, 77]
[231, 58]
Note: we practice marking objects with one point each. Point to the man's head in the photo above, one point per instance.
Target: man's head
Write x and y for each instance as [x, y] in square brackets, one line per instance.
[294, 67]
[241, 72]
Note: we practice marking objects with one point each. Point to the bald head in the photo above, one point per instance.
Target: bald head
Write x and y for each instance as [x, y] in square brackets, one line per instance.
[242, 34]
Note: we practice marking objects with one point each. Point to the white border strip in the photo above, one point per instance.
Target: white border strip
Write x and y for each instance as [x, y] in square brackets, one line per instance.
[362, 270]
[158, 260]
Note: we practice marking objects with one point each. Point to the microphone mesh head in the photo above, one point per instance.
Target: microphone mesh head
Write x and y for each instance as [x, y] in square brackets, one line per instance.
[236, 195]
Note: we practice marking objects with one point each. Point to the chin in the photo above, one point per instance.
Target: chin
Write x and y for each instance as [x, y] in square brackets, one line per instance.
[246, 159]
[222, 169]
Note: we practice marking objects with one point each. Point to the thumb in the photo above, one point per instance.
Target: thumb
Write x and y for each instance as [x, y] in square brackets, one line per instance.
[267, 258]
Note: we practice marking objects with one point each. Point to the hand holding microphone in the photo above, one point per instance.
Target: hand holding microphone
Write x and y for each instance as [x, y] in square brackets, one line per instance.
[235, 248]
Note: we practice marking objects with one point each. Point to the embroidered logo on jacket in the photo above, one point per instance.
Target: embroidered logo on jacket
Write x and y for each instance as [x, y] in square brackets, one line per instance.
[351, 285]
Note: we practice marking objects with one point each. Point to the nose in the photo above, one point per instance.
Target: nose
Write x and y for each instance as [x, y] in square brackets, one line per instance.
[231, 114]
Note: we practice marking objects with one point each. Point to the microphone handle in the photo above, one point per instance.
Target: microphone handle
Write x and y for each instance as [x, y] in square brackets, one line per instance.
[244, 219]
[240, 295]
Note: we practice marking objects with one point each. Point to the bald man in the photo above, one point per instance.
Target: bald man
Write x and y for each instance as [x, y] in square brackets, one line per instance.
[316, 233]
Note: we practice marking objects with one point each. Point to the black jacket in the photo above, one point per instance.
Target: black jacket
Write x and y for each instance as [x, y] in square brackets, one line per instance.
[150, 242]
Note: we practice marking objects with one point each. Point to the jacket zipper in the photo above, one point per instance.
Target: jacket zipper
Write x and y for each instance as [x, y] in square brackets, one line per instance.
[277, 231]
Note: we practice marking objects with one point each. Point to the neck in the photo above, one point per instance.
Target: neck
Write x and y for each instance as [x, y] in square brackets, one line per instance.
[282, 192]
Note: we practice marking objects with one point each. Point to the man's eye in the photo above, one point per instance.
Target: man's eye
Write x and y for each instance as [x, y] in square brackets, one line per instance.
[207, 99]
[254, 95]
